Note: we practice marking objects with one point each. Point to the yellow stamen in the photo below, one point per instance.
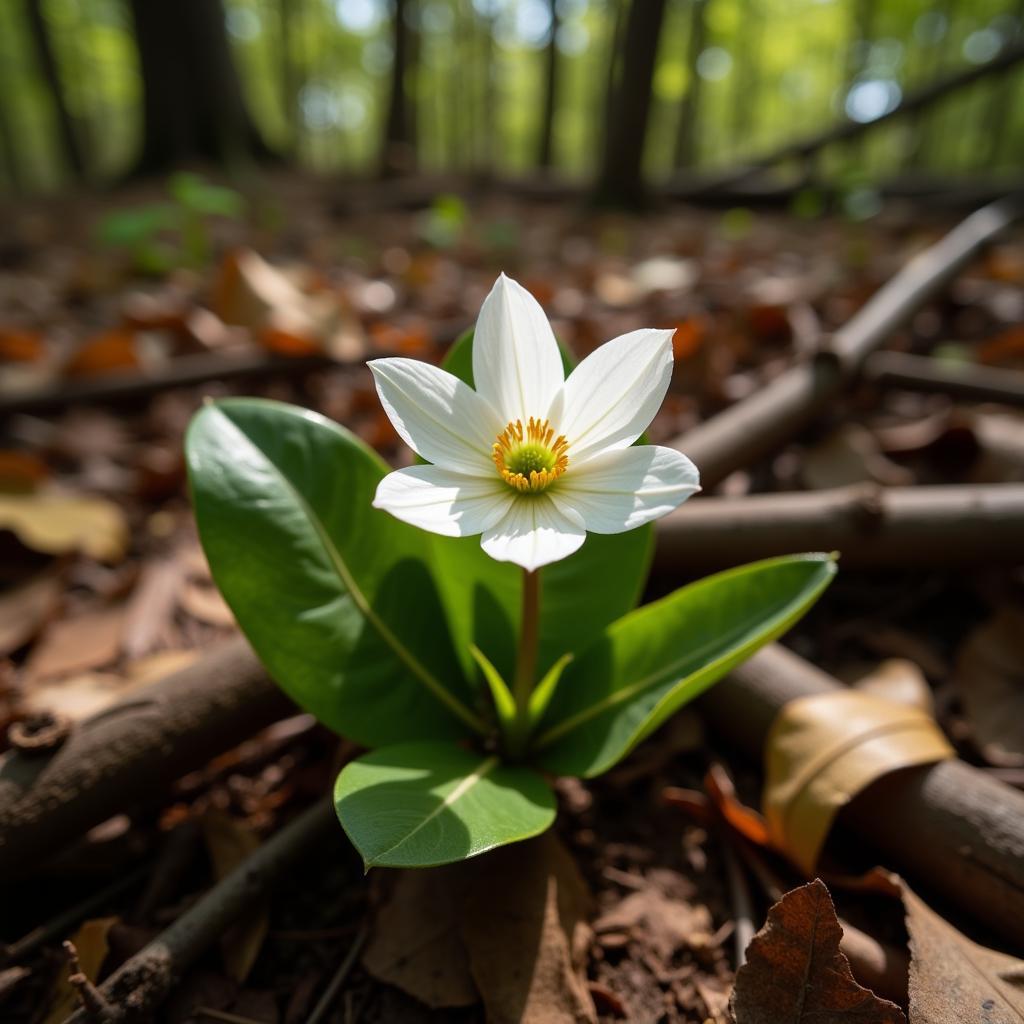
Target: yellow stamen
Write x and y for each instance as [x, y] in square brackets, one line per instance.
[530, 459]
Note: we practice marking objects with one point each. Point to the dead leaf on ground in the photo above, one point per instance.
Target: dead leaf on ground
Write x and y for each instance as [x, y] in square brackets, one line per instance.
[150, 612]
[824, 750]
[954, 980]
[990, 680]
[229, 842]
[77, 698]
[508, 929]
[57, 524]
[81, 644]
[91, 942]
[105, 353]
[26, 608]
[21, 472]
[901, 681]
[795, 972]
[203, 602]
[850, 455]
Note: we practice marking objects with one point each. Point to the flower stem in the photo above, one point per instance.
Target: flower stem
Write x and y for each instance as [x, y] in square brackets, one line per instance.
[526, 661]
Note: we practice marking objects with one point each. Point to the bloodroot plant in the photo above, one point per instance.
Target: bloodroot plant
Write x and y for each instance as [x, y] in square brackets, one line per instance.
[474, 670]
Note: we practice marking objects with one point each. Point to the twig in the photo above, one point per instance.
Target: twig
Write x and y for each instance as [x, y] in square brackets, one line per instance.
[63, 922]
[868, 525]
[331, 992]
[960, 380]
[95, 1007]
[775, 413]
[228, 1018]
[949, 825]
[144, 981]
[131, 752]
[742, 905]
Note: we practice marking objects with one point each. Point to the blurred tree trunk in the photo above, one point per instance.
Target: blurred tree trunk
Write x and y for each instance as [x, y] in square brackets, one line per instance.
[70, 146]
[9, 166]
[192, 100]
[547, 124]
[289, 73]
[689, 110]
[398, 149]
[485, 89]
[620, 179]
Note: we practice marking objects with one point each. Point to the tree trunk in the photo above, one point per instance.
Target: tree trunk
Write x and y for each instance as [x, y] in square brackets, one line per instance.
[547, 125]
[192, 100]
[620, 181]
[686, 135]
[289, 74]
[398, 150]
[70, 146]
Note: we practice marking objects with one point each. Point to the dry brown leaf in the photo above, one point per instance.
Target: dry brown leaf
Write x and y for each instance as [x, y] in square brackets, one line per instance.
[824, 750]
[91, 942]
[508, 929]
[952, 979]
[416, 944]
[159, 664]
[901, 681]
[25, 609]
[57, 524]
[229, 842]
[20, 472]
[105, 353]
[664, 923]
[796, 974]
[151, 607]
[990, 679]
[280, 314]
[86, 642]
[850, 455]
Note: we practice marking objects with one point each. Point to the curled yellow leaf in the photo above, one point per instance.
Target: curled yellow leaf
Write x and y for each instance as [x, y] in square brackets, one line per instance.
[824, 750]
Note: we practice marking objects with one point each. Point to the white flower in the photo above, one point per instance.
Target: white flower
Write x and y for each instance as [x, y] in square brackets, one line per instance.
[531, 460]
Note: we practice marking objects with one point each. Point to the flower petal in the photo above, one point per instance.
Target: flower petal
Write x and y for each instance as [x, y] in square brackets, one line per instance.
[620, 490]
[516, 363]
[439, 417]
[612, 396]
[438, 500]
[534, 532]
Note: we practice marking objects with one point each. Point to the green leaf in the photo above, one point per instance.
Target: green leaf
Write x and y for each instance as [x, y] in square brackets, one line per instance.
[423, 804]
[580, 595]
[504, 702]
[335, 596]
[649, 664]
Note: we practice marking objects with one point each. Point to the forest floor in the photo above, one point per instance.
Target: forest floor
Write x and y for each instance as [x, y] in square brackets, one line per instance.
[105, 587]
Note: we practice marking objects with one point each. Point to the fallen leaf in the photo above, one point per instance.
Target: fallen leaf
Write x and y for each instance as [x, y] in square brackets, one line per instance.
[86, 642]
[21, 472]
[665, 924]
[507, 928]
[824, 750]
[18, 346]
[850, 455]
[901, 681]
[954, 980]
[105, 353]
[989, 677]
[796, 974]
[230, 842]
[57, 524]
[25, 609]
[91, 943]
[159, 664]
[77, 698]
[151, 607]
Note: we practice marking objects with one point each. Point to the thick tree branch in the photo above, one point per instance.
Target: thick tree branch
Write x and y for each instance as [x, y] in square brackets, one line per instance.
[971, 382]
[869, 526]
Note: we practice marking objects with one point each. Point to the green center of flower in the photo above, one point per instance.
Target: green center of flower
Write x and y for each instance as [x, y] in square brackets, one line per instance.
[530, 459]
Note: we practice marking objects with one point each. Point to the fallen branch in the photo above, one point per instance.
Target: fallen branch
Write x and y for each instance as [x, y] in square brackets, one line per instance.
[869, 526]
[776, 412]
[949, 825]
[847, 129]
[139, 985]
[957, 380]
[131, 752]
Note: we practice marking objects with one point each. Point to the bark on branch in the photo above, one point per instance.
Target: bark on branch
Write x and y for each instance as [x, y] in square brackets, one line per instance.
[869, 526]
[967, 381]
[131, 752]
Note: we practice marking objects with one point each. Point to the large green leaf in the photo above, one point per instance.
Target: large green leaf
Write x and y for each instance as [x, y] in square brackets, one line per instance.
[335, 596]
[422, 804]
[580, 595]
[650, 663]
